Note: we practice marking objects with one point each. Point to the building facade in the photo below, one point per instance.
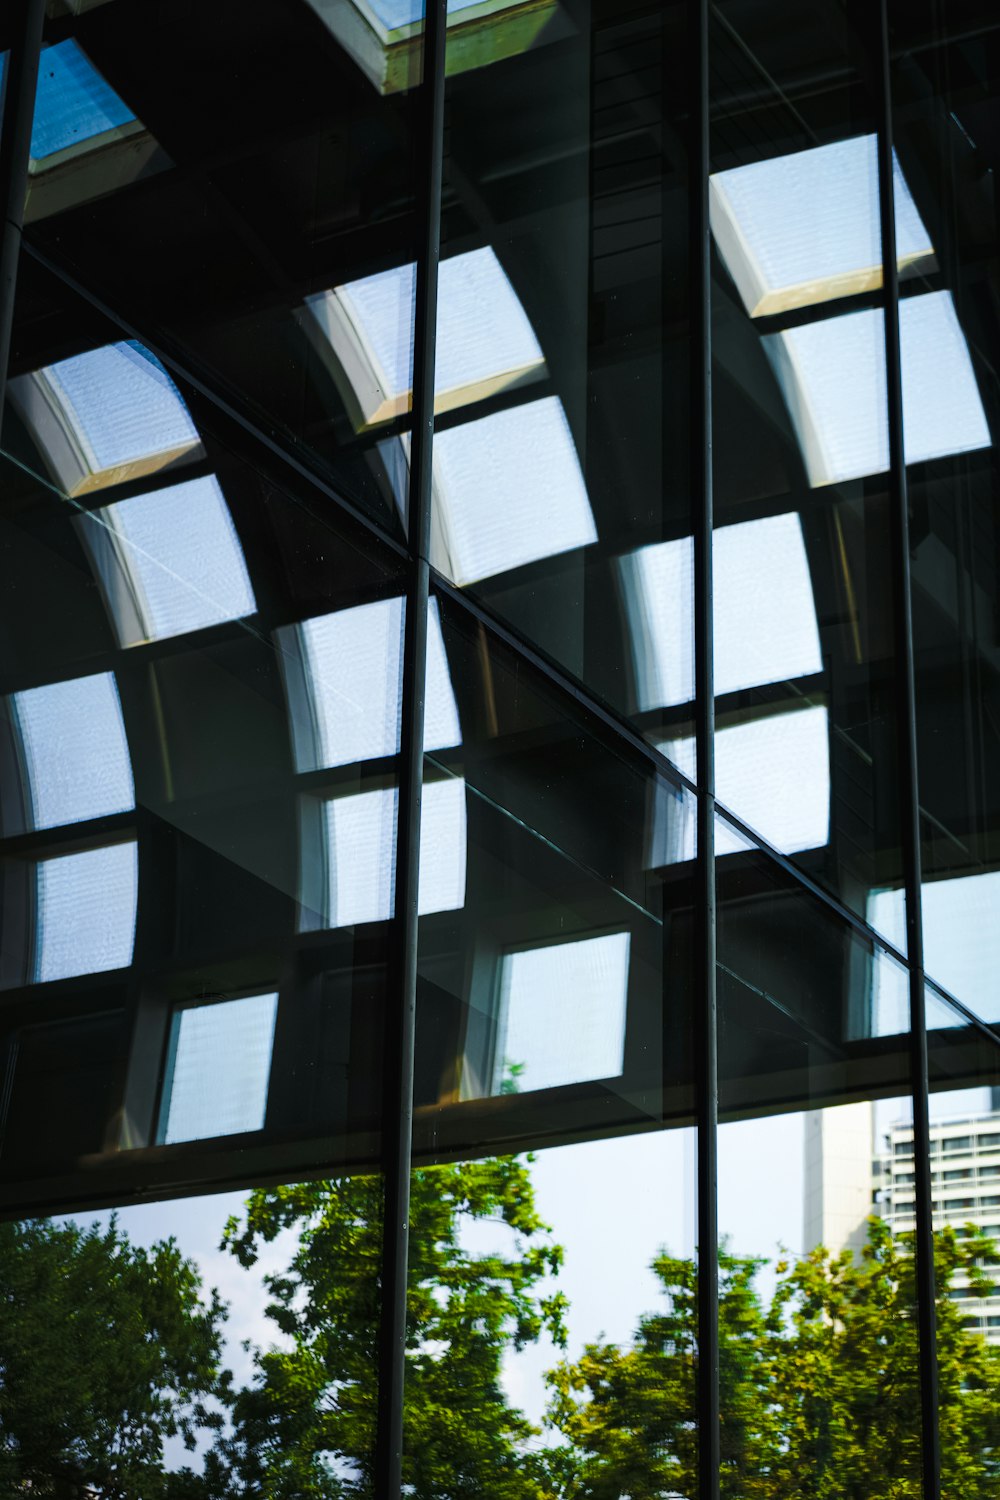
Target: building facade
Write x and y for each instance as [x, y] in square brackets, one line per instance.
[500, 727]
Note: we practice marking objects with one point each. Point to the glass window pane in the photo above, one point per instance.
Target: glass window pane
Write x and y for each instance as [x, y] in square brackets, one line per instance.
[353, 672]
[219, 1068]
[169, 561]
[804, 228]
[361, 853]
[73, 103]
[106, 416]
[86, 912]
[562, 1013]
[74, 745]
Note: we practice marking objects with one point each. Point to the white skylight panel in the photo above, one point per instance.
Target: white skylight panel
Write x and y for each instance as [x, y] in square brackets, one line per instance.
[73, 103]
[75, 750]
[508, 490]
[962, 939]
[804, 228]
[832, 375]
[485, 342]
[182, 561]
[106, 416]
[361, 853]
[562, 1013]
[774, 774]
[353, 665]
[220, 1068]
[86, 912]
[765, 614]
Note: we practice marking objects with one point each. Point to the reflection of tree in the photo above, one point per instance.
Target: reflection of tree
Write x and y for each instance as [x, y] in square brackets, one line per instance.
[819, 1388]
[106, 1349]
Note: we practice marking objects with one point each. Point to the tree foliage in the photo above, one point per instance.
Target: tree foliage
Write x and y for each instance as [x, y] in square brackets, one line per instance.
[106, 1350]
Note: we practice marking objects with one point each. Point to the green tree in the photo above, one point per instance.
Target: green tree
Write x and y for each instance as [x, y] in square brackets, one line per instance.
[305, 1427]
[106, 1350]
[819, 1388]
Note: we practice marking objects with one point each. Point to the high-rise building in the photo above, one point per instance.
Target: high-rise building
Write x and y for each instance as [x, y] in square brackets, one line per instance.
[499, 583]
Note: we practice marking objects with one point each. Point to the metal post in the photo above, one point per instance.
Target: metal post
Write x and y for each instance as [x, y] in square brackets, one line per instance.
[21, 78]
[401, 1004]
[909, 791]
[706, 1026]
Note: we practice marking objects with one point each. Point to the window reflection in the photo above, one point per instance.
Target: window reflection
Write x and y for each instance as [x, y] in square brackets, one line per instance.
[804, 228]
[106, 416]
[562, 1013]
[962, 939]
[360, 853]
[86, 912]
[485, 342]
[343, 675]
[774, 773]
[218, 1068]
[169, 561]
[765, 616]
[832, 376]
[75, 751]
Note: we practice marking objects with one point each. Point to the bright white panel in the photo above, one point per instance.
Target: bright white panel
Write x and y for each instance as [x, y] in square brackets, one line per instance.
[123, 404]
[86, 912]
[774, 774]
[890, 997]
[509, 490]
[75, 750]
[184, 559]
[765, 616]
[962, 939]
[353, 664]
[361, 853]
[482, 329]
[832, 375]
[802, 228]
[562, 1013]
[221, 1067]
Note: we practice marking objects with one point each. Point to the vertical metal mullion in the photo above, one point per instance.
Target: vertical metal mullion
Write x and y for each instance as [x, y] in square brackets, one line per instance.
[706, 1022]
[15, 153]
[402, 994]
[909, 786]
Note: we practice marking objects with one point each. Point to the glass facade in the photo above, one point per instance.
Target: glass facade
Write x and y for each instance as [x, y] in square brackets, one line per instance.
[499, 580]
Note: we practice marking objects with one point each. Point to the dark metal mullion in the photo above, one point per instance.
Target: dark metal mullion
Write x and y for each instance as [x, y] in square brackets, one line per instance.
[400, 1027]
[706, 1024]
[909, 789]
[15, 153]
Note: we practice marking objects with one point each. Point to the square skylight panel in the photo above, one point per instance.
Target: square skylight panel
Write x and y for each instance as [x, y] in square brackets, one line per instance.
[832, 375]
[562, 1013]
[508, 490]
[218, 1073]
[352, 662]
[774, 774]
[105, 416]
[804, 228]
[962, 939]
[485, 342]
[86, 912]
[73, 103]
[169, 561]
[361, 853]
[75, 750]
[765, 614]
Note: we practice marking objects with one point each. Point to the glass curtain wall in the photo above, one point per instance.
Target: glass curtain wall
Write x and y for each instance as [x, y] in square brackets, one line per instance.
[497, 612]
